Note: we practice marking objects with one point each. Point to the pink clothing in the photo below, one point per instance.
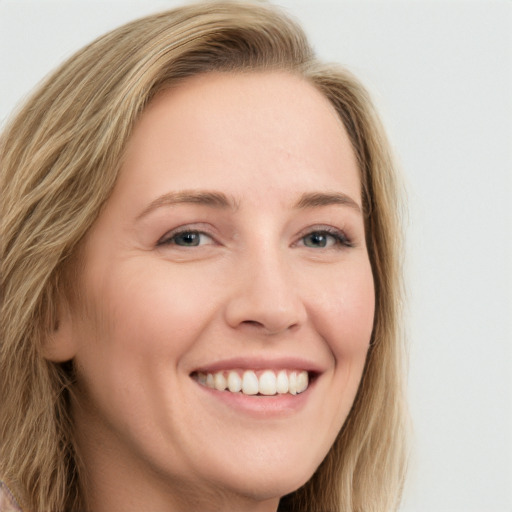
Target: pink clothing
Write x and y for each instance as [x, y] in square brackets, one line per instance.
[7, 501]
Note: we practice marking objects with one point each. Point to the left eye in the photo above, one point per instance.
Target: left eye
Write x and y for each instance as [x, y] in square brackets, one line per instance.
[323, 239]
[187, 239]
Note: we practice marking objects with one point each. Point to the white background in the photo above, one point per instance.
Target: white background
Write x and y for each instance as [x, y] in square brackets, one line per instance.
[441, 74]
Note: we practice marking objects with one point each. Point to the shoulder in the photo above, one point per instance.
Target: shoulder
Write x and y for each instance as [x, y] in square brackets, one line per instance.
[7, 501]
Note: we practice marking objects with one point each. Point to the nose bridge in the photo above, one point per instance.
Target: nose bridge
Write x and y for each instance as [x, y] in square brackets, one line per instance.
[266, 295]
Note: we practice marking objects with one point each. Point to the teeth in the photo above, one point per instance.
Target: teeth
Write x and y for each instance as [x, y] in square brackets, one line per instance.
[234, 382]
[220, 381]
[268, 383]
[292, 383]
[282, 382]
[250, 383]
[302, 382]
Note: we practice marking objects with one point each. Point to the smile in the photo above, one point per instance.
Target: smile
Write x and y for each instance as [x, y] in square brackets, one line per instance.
[261, 382]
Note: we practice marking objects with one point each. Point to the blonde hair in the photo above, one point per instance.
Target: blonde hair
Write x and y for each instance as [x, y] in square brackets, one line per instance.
[60, 157]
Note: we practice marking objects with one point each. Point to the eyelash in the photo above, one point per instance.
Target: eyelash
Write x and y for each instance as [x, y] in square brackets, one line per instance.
[169, 239]
[339, 237]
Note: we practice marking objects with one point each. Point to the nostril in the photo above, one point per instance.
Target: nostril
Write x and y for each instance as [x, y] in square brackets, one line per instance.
[267, 328]
[252, 310]
[254, 323]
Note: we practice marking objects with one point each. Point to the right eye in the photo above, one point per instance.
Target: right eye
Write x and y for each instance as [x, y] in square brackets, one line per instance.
[187, 238]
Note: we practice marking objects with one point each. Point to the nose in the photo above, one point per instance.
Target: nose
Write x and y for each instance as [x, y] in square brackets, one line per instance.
[265, 297]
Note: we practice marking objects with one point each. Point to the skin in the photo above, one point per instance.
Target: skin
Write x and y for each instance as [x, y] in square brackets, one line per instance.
[258, 287]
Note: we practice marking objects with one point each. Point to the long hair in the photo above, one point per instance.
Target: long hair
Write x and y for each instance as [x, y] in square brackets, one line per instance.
[60, 157]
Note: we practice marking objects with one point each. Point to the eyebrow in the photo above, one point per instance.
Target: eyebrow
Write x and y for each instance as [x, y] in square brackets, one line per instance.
[316, 199]
[221, 201]
[206, 198]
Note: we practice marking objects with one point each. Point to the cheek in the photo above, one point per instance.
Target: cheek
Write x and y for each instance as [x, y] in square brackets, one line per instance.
[342, 313]
[344, 319]
[137, 332]
[152, 310]
[345, 312]
[139, 323]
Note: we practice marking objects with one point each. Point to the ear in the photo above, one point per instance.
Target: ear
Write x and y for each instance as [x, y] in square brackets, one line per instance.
[60, 343]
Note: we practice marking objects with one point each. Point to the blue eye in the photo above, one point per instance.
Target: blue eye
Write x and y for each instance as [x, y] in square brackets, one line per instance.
[186, 239]
[325, 239]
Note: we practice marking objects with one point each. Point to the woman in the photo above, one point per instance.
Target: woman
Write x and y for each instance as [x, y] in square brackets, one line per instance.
[200, 277]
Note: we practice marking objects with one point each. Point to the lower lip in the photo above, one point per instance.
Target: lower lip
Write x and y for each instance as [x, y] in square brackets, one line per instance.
[260, 406]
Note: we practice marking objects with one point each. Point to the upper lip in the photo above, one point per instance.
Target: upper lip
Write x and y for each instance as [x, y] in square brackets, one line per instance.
[245, 363]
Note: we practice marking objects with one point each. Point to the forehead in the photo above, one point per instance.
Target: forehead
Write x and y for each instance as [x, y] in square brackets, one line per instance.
[233, 129]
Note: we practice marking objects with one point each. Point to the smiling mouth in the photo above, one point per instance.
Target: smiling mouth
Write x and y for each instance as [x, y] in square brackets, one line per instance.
[255, 383]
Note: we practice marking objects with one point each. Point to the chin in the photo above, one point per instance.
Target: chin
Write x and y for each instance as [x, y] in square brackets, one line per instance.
[265, 482]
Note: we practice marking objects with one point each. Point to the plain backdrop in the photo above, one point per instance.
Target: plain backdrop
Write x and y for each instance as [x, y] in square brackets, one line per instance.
[441, 75]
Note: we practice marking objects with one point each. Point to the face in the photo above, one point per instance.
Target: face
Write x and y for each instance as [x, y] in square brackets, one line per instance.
[228, 297]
